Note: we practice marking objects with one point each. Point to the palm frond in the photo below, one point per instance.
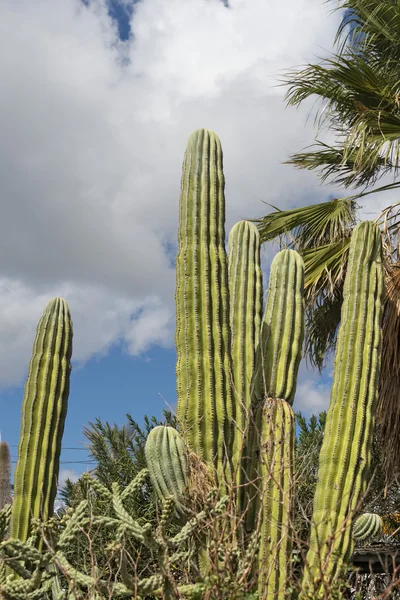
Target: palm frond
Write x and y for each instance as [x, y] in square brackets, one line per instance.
[339, 168]
[322, 324]
[325, 268]
[360, 94]
[388, 408]
[310, 226]
[372, 24]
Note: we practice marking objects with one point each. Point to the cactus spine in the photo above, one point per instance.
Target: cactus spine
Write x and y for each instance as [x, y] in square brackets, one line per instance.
[43, 414]
[278, 361]
[205, 407]
[246, 292]
[5, 475]
[168, 465]
[366, 526]
[345, 452]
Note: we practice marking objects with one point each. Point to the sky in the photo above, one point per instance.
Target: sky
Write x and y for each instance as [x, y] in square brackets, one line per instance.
[98, 100]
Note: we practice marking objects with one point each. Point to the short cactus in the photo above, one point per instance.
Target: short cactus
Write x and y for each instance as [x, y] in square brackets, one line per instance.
[43, 414]
[368, 525]
[5, 475]
[168, 465]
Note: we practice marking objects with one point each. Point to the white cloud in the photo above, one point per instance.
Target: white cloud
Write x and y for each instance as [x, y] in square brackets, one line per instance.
[67, 474]
[313, 391]
[93, 136]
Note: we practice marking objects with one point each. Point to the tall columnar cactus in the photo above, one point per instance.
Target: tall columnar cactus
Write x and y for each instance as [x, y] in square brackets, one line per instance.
[5, 475]
[168, 465]
[345, 453]
[278, 360]
[246, 298]
[43, 414]
[205, 407]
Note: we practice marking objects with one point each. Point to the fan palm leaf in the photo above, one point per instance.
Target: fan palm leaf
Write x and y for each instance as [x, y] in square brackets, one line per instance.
[359, 87]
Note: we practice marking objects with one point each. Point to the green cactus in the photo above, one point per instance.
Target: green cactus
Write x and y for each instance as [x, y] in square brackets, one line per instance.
[205, 406]
[345, 452]
[278, 360]
[282, 331]
[43, 414]
[246, 300]
[5, 475]
[276, 470]
[168, 465]
[366, 526]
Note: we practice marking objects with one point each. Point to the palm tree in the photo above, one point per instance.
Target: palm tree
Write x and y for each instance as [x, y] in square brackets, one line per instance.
[359, 86]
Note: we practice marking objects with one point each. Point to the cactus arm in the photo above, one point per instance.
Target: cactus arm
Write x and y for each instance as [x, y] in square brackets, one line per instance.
[246, 291]
[204, 407]
[274, 388]
[345, 452]
[276, 470]
[282, 328]
[43, 415]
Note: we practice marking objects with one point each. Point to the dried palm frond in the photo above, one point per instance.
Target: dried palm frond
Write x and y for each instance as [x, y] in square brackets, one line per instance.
[388, 408]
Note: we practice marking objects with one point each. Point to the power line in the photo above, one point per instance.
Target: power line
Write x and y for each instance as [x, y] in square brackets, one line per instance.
[63, 448]
[70, 462]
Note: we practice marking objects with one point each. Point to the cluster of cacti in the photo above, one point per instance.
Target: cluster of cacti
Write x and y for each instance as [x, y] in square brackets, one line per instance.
[236, 385]
[39, 571]
[236, 380]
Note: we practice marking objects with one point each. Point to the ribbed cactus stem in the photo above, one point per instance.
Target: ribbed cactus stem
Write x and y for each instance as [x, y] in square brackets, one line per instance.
[278, 360]
[167, 461]
[345, 453]
[366, 526]
[205, 407]
[246, 291]
[278, 355]
[5, 475]
[276, 474]
[282, 329]
[43, 414]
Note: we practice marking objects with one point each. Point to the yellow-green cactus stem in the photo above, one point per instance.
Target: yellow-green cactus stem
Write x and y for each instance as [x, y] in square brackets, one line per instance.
[345, 453]
[205, 407]
[5, 475]
[276, 474]
[167, 462]
[282, 329]
[246, 299]
[368, 525]
[278, 360]
[278, 356]
[44, 410]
